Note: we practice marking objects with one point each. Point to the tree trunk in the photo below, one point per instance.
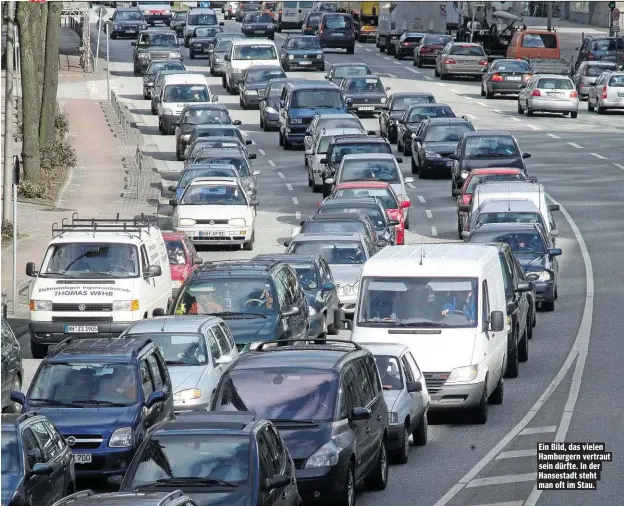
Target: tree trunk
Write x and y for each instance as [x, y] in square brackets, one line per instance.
[41, 41]
[28, 19]
[51, 67]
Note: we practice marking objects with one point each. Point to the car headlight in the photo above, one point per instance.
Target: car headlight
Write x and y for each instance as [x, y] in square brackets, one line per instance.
[251, 92]
[187, 395]
[393, 417]
[176, 283]
[175, 54]
[326, 456]
[41, 305]
[144, 26]
[121, 438]
[116, 27]
[126, 305]
[384, 100]
[168, 112]
[432, 154]
[270, 110]
[543, 275]
[218, 60]
[319, 56]
[237, 222]
[145, 56]
[186, 222]
[463, 374]
[291, 56]
[295, 121]
[185, 137]
[312, 311]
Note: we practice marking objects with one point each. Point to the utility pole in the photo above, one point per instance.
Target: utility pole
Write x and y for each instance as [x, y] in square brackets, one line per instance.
[108, 90]
[550, 12]
[612, 18]
[97, 50]
[7, 183]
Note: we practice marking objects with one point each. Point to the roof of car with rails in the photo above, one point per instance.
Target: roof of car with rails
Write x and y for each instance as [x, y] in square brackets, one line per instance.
[101, 349]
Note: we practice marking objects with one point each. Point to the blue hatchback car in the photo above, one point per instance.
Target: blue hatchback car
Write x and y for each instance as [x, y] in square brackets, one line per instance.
[102, 395]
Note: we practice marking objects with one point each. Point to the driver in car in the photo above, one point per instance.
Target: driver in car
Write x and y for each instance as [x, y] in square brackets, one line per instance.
[462, 302]
[205, 304]
[261, 298]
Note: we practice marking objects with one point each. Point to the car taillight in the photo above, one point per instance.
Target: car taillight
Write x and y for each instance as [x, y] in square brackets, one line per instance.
[280, 12]
[497, 78]
[483, 62]
[574, 94]
[449, 61]
[536, 93]
[590, 56]
[425, 49]
[407, 43]
[604, 92]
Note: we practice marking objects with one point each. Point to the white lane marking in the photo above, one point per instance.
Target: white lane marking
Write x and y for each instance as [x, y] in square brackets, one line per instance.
[295, 201]
[298, 215]
[392, 76]
[434, 232]
[422, 199]
[441, 84]
[467, 98]
[428, 213]
[502, 480]
[600, 157]
[498, 111]
[271, 163]
[412, 70]
[619, 166]
[508, 503]
[397, 63]
[471, 116]
[578, 350]
[281, 175]
[533, 127]
[517, 453]
[513, 118]
[553, 136]
[411, 185]
[289, 186]
[538, 430]
[574, 145]
[429, 78]
[387, 58]
[262, 152]
[453, 90]
[482, 104]
[366, 49]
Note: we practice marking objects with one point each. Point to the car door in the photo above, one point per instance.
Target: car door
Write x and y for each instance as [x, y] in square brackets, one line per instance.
[37, 488]
[226, 351]
[418, 376]
[511, 297]
[281, 462]
[230, 339]
[330, 297]
[295, 297]
[353, 399]
[363, 383]
[150, 415]
[267, 469]
[521, 297]
[215, 353]
[54, 457]
[494, 350]
[157, 370]
[409, 375]
[379, 419]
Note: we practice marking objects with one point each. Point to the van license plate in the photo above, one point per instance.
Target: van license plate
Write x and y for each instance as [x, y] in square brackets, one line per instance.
[82, 458]
[305, 63]
[81, 329]
[337, 34]
[366, 108]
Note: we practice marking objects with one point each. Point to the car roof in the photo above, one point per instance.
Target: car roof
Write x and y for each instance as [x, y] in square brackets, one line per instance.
[252, 42]
[511, 206]
[368, 156]
[214, 422]
[553, 76]
[173, 323]
[391, 349]
[494, 171]
[412, 94]
[205, 105]
[200, 10]
[505, 227]
[302, 85]
[158, 31]
[338, 217]
[212, 126]
[288, 258]
[445, 121]
[328, 236]
[358, 138]
[488, 133]
[342, 115]
[330, 132]
[184, 78]
[87, 348]
[349, 64]
[472, 44]
[226, 267]
[362, 184]
[298, 358]
[225, 181]
[355, 202]
[414, 34]
[300, 36]
[122, 9]
[365, 76]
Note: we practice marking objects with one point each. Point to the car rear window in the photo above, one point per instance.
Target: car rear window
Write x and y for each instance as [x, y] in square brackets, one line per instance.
[552, 83]
[413, 39]
[608, 44]
[290, 5]
[255, 52]
[337, 22]
[417, 114]
[545, 40]
[511, 66]
[438, 40]
[596, 70]
[201, 19]
[465, 50]
[617, 81]
[335, 227]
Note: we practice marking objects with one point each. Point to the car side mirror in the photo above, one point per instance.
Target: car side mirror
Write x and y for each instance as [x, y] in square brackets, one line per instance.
[309, 152]
[324, 161]
[554, 233]
[577, 48]
[278, 481]
[399, 160]
[31, 270]
[40, 469]
[349, 101]
[227, 57]
[371, 132]
[292, 311]
[172, 188]
[223, 360]
[198, 261]
[158, 312]
[254, 202]
[360, 414]
[408, 179]
[18, 397]
[133, 43]
[388, 88]
[327, 77]
[282, 104]
[155, 398]
[253, 156]
[414, 386]
[221, 23]
[553, 207]
[453, 156]
[214, 98]
[555, 252]
[173, 202]
[152, 271]
[526, 155]
[329, 180]
[328, 287]
[237, 122]
[464, 208]
[533, 276]
[524, 287]
[381, 244]
[456, 193]
[465, 234]
[415, 138]
[248, 142]
[394, 223]
[497, 321]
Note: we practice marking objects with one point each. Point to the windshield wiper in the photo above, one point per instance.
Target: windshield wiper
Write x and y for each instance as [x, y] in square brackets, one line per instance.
[407, 323]
[54, 402]
[239, 313]
[277, 421]
[62, 274]
[99, 273]
[101, 403]
[531, 252]
[190, 480]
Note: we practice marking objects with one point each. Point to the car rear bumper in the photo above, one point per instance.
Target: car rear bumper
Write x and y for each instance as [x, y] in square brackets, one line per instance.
[554, 105]
[125, 32]
[342, 43]
[54, 332]
[427, 58]
[459, 70]
[612, 104]
[505, 87]
[157, 18]
[405, 51]
[544, 291]
[451, 397]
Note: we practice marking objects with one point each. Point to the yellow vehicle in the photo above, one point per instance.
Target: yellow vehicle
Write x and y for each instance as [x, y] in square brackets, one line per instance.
[368, 20]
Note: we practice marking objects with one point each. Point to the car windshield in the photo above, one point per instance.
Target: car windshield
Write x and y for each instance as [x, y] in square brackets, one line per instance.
[176, 252]
[158, 39]
[206, 117]
[11, 460]
[317, 99]
[218, 132]
[337, 22]
[521, 243]
[617, 81]
[263, 75]
[419, 113]
[323, 144]
[85, 260]
[255, 52]
[253, 296]
[511, 66]
[208, 31]
[418, 301]
[364, 85]
[466, 50]
[186, 93]
[437, 40]
[352, 70]
[189, 175]
[553, 83]
[303, 43]
[334, 252]
[402, 103]
[511, 217]
[385, 195]
[306, 273]
[238, 162]
[375, 170]
[179, 16]
[496, 146]
[166, 458]
[377, 216]
[178, 348]
[214, 195]
[128, 16]
[477, 180]
[334, 227]
[597, 70]
[202, 19]
[447, 133]
[276, 89]
[360, 148]
[258, 17]
[203, 146]
[389, 372]
[156, 67]
[331, 123]
[223, 46]
[83, 384]
[280, 393]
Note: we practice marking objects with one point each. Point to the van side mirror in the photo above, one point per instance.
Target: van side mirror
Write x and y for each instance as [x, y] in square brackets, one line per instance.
[497, 321]
[360, 414]
[18, 397]
[155, 398]
[31, 270]
[133, 43]
[152, 271]
[282, 104]
[214, 98]
[198, 261]
[394, 223]
[221, 23]
[553, 207]
[237, 122]
[253, 156]
[292, 311]
[227, 57]
[278, 481]
[248, 142]
[381, 244]
[414, 386]
[524, 287]
[554, 252]
[554, 233]
[399, 160]
[465, 234]
[172, 188]
[173, 202]
[371, 132]
[158, 312]
[406, 204]
[254, 202]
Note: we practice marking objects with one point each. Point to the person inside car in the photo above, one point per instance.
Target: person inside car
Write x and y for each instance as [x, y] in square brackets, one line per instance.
[389, 373]
[463, 302]
[205, 303]
[260, 298]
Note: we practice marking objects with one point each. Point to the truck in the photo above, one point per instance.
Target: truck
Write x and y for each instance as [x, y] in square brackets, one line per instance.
[366, 18]
[398, 17]
[453, 16]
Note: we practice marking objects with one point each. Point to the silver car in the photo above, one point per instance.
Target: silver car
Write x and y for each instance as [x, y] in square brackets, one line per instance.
[549, 93]
[587, 73]
[461, 59]
[406, 395]
[328, 121]
[197, 350]
[607, 93]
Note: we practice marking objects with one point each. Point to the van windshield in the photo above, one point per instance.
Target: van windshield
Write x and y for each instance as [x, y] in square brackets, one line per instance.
[511, 217]
[186, 93]
[202, 19]
[90, 260]
[418, 302]
[493, 178]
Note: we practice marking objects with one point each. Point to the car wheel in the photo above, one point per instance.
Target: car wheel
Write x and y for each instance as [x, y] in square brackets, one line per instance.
[402, 452]
[407, 150]
[523, 348]
[287, 144]
[415, 62]
[435, 72]
[520, 109]
[482, 90]
[548, 305]
[192, 55]
[590, 107]
[420, 63]
[351, 50]
[38, 350]
[332, 330]
[513, 362]
[419, 435]
[529, 110]
[379, 477]
[574, 115]
[498, 394]
[599, 108]
[488, 94]
[407, 220]
[281, 138]
[113, 36]
[423, 173]
[443, 77]
[15, 407]
[248, 246]
[310, 178]
[347, 497]
[480, 413]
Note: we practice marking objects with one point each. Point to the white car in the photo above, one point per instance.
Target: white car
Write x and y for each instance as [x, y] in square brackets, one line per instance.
[216, 211]
[549, 93]
[243, 54]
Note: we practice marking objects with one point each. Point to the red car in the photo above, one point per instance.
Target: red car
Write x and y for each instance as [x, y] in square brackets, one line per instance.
[183, 258]
[476, 177]
[396, 208]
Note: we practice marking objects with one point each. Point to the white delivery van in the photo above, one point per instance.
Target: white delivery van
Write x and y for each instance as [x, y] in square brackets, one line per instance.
[501, 191]
[243, 54]
[178, 91]
[97, 277]
[291, 14]
[447, 303]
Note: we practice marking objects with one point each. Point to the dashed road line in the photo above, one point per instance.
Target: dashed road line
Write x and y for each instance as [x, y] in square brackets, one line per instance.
[471, 116]
[516, 454]
[600, 157]
[387, 58]
[429, 78]
[262, 152]
[498, 111]
[442, 85]
[513, 118]
[467, 97]
[533, 127]
[502, 480]
[482, 104]
[397, 63]
[281, 175]
[422, 199]
[454, 90]
[434, 232]
[508, 503]
[295, 201]
[429, 214]
[298, 215]
[575, 145]
[619, 166]
[289, 186]
[411, 185]
[529, 431]
[412, 70]
[366, 49]
[271, 163]
[553, 136]
[392, 76]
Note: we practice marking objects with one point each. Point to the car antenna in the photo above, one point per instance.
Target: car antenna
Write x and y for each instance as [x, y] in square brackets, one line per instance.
[422, 251]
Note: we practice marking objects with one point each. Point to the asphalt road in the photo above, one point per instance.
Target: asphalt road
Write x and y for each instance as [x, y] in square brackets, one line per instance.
[581, 163]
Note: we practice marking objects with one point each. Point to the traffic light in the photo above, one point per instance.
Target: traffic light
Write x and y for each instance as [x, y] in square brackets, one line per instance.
[612, 5]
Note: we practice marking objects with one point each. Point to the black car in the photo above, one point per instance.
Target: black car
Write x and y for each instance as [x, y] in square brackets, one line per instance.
[210, 130]
[269, 102]
[258, 24]
[199, 114]
[37, 464]
[327, 403]
[532, 247]
[147, 498]
[202, 39]
[404, 45]
[364, 95]
[259, 301]
[429, 47]
[409, 122]
[482, 149]
[303, 52]
[246, 7]
[336, 30]
[336, 223]
[217, 459]
[394, 108]
[154, 45]
[339, 71]
[12, 370]
[156, 66]
[178, 22]
[126, 23]
[204, 146]
[318, 284]
[255, 80]
[311, 23]
[434, 142]
[505, 77]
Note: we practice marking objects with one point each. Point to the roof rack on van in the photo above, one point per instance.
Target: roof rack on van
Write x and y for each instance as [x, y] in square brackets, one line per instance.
[342, 342]
[137, 224]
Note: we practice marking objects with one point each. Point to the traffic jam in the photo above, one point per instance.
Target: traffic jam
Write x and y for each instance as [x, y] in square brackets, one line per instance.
[306, 376]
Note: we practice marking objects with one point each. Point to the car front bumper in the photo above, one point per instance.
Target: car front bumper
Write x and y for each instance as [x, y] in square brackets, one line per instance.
[199, 50]
[105, 461]
[553, 105]
[54, 332]
[322, 485]
[251, 98]
[271, 119]
[261, 32]
[544, 291]
[364, 108]
[306, 63]
[451, 397]
[227, 235]
[296, 133]
[217, 68]
[395, 432]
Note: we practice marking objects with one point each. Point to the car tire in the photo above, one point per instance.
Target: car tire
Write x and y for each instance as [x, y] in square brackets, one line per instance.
[407, 220]
[480, 413]
[351, 50]
[415, 63]
[435, 72]
[281, 138]
[332, 330]
[347, 497]
[415, 169]
[423, 173]
[420, 63]
[482, 90]
[520, 109]
[548, 305]
[498, 395]
[146, 96]
[287, 145]
[513, 360]
[38, 350]
[248, 246]
[523, 347]
[574, 115]
[401, 454]
[443, 77]
[529, 111]
[378, 479]
[590, 107]
[488, 94]
[262, 121]
[419, 435]
[113, 35]
[192, 55]
[407, 150]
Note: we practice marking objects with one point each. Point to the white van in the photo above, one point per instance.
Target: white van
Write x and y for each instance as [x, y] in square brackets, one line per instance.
[447, 303]
[243, 54]
[97, 277]
[291, 14]
[501, 191]
[178, 91]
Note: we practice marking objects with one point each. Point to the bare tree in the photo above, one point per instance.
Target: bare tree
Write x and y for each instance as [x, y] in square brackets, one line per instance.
[51, 68]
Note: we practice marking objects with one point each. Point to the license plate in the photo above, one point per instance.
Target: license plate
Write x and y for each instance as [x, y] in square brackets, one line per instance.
[81, 329]
[366, 108]
[128, 31]
[555, 94]
[259, 32]
[337, 34]
[82, 458]
[467, 62]
[305, 63]
[514, 78]
[621, 95]
[212, 233]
